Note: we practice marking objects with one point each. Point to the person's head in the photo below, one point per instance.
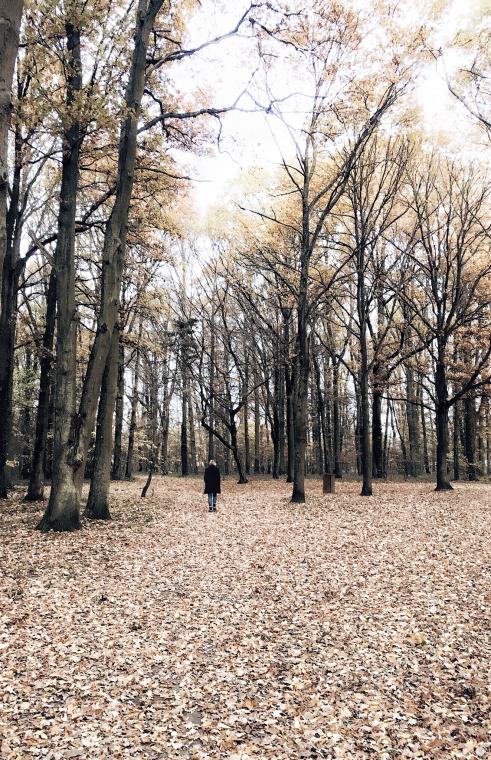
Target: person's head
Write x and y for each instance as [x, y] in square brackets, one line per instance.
[212, 461]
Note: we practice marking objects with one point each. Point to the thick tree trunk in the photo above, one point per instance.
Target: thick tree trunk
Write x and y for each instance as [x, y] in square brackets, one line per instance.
[10, 17]
[35, 490]
[441, 424]
[62, 512]
[118, 463]
[98, 502]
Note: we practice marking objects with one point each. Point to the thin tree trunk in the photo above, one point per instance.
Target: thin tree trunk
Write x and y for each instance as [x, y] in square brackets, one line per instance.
[470, 435]
[441, 424]
[35, 489]
[192, 434]
[118, 464]
[98, 502]
[377, 443]
[257, 430]
[426, 458]
[134, 408]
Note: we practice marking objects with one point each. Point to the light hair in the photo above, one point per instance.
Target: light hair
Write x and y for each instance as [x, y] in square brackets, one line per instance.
[212, 461]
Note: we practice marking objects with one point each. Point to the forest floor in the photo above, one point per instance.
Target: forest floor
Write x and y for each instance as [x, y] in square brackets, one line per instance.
[346, 628]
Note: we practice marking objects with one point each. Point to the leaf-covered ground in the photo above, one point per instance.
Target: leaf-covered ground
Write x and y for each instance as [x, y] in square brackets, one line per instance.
[347, 628]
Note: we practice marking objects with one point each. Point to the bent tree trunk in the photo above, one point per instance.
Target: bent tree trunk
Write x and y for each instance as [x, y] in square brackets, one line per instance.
[62, 512]
[441, 423]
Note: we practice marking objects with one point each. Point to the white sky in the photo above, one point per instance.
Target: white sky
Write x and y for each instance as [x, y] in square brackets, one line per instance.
[247, 138]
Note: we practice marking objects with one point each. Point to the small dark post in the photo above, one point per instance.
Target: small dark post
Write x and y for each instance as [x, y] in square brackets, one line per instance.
[328, 483]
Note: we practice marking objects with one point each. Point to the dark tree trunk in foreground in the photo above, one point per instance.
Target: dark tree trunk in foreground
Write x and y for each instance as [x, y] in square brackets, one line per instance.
[35, 490]
[62, 512]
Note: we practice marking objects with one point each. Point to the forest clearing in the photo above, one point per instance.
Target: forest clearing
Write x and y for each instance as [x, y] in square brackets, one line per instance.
[344, 628]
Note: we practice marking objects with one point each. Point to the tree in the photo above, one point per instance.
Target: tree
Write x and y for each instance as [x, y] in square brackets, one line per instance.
[451, 294]
[10, 18]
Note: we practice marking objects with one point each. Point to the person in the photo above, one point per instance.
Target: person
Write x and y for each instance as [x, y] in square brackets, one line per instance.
[212, 484]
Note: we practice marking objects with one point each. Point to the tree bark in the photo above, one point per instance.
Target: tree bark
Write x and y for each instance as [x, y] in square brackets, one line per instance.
[118, 463]
[377, 440]
[470, 435]
[134, 408]
[10, 18]
[63, 511]
[441, 424]
[98, 502]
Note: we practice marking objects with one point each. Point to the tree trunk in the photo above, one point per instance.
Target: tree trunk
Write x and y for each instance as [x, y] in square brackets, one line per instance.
[470, 435]
[302, 354]
[9, 283]
[35, 490]
[377, 440]
[257, 430]
[192, 435]
[456, 441]
[336, 421]
[184, 423]
[115, 237]
[98, 502]
[426, 458]
[10, 18]
[118, 464]
[441, 424]
[414, 463]
[134, 408]
[63, 512]
[365, 452]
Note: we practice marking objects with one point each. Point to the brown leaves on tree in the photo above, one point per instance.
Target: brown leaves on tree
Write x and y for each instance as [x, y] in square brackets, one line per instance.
[346, 628]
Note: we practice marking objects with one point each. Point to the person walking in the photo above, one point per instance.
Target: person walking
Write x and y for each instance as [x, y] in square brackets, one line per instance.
[212, 484]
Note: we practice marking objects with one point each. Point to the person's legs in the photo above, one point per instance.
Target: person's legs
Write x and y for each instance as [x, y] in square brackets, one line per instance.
[210, 502]
[215, 501]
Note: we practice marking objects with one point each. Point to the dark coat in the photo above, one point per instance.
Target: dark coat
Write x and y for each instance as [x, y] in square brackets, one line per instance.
[212, 479]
